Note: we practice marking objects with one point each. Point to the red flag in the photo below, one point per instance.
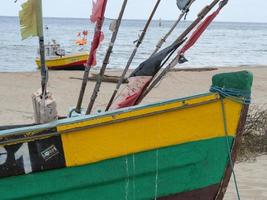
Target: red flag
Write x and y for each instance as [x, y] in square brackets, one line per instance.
[99, 37]
[198, 32]
[97, 16]
[92, 57]
[97, 10]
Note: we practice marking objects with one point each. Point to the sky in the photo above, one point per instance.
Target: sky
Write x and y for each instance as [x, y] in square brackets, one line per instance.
[236, 10]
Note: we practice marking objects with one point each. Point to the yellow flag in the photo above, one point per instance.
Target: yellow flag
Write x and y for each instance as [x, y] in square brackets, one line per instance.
[31, 22]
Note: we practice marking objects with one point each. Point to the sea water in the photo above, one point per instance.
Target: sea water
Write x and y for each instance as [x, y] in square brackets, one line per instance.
[223, 44]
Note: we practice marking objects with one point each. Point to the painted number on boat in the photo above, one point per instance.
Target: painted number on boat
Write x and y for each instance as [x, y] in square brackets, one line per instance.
[21, 155]
[24, 154]
[33, 156]
[3, 155]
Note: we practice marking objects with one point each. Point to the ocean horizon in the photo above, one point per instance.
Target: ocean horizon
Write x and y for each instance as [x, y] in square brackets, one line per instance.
[223, 44]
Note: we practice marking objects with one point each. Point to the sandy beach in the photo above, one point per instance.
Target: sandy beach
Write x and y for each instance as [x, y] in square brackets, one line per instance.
[16, 90]
[16, 107]
[251, 179]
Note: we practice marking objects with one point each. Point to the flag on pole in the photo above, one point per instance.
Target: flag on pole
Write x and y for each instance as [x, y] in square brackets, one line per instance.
[97, 17]
[199, 31]
[97, 10]
[31, 19]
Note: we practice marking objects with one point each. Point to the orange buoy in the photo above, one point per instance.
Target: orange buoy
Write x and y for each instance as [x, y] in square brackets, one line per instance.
[81, 42]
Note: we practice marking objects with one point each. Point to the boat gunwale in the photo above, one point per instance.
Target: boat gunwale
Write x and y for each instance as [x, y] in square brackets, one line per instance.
[84, 118]
[55, 133]
[184, 106]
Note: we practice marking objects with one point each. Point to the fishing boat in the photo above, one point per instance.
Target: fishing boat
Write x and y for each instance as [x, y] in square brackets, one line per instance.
[175, 149]
[58, 59]
[75, 61]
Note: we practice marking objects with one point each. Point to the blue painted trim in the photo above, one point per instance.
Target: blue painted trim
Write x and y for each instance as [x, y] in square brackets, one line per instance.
[94, 116]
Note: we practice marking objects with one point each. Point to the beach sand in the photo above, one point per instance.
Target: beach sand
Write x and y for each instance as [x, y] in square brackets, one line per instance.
[16, 107]
[251, 180]
[16, 90]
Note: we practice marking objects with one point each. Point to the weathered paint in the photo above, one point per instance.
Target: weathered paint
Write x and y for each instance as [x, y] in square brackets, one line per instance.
[181, 168]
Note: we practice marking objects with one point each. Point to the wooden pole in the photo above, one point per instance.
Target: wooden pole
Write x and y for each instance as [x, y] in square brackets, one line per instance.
[106, 59]
[138, 43]
[44, 71]
[43, 103]
[88, 66]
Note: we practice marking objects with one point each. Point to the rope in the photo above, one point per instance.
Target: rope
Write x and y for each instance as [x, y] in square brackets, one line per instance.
[237, 95]
[134, 177]
[229, 148]
[156, 175]
[127, 178]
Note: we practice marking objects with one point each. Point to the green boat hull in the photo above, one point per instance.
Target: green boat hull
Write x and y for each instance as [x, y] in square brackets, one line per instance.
[180, 169]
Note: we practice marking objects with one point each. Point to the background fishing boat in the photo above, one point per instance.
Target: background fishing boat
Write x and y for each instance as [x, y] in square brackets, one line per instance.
[74, 61]
[58, 58]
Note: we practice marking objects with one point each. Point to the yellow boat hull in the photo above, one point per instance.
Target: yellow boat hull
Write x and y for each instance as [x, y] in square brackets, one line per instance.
[68, 62]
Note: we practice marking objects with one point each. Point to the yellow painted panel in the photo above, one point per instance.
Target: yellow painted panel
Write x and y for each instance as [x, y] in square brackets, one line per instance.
[146, 133]
[138, 112]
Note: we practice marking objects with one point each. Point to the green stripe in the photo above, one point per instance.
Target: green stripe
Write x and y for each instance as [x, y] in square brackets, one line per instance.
[180, 168]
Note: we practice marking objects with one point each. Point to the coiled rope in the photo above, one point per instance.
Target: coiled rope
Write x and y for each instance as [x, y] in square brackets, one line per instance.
[237, 95]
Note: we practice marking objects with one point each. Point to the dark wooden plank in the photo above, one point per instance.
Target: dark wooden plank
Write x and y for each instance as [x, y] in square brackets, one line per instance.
[207, 193]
